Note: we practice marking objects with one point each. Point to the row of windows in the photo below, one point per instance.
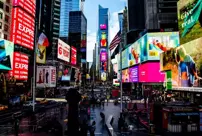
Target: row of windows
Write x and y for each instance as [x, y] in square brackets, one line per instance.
[5, 28]
[7, 8]
[4, 36]
[6, 19]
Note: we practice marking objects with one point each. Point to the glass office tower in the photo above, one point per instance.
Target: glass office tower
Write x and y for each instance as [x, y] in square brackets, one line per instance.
[65, 7]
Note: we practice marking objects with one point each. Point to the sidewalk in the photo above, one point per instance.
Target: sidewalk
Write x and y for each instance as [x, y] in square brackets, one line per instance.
[34, 134]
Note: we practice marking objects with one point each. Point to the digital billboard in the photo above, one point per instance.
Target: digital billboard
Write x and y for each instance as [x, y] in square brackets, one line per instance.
[133, 74]
[6, 54]
[103, 76]
[103, 56]
[22, 28]
[152, 44]
[103, 41]
[46, 76]
[125, 58]
[104, 66]
[28, 5]
[103, 26]
[73, 55]
[20, 66]
[134, 54]
[150, 72]
[125, 76]
[185, 64]
[189, 20]
[63, 51]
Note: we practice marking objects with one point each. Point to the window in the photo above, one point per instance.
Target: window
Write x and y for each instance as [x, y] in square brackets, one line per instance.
[7, 8]
[5, 37]
[6, 18]
[0, 25]
[6, 28]
[1, 5]
[1, 15]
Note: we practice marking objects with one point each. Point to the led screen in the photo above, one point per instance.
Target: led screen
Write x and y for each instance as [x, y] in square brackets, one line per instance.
[125, 58]
[73, 55]
[22, 31]
[103, 41]
[133, 74]
[103, 56]
[125, 76]
[189, 20]
[103, 26]
[134, 53]
[150, 72]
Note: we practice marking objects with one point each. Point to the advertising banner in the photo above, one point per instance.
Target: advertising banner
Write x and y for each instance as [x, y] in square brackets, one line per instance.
[73, 55]
[150, 72]
[189, 20]
[6, 54]
[125, 56]
[103, 41]
[46, 76]
[103, 26]
[63, 51]
[22, 28]
[133, 74]
[28, 5]
[103, 76]
[185, 65]
[125, 76]
[20, 66]
[64, 72]
[157, 43]
[134, 54]
[103, 56]
[104, 66]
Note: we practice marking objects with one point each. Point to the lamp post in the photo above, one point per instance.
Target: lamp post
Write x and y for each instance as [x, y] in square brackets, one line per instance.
[120, 80]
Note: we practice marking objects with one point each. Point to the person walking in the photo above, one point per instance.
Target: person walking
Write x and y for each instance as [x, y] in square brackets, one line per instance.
[108, 96]
[92, 129]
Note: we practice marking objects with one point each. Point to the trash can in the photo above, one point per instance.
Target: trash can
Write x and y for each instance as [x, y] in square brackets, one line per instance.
[151, 128]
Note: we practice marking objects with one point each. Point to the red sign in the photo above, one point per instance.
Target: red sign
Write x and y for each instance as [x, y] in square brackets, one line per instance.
[20, 66]
[28, 5]
[22, 31]
[73, 55]
[53, 75]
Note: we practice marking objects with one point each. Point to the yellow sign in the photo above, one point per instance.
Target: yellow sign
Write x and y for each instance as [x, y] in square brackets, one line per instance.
[41, 54]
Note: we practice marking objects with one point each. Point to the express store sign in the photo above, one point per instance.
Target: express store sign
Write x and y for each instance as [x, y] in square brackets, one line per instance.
[22, 31]
[20, 66]
[73, 55]
[28, 5]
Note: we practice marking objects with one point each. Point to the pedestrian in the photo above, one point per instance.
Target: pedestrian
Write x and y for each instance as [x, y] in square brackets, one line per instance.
[92, 129]
[16, 126]
[108, 96]
[84, 128]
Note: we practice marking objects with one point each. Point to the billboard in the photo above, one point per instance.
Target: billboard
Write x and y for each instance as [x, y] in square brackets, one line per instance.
[103, 26]
[134, 54]
[103, 56]
[73, 55]
[20, 66]
[150, 72]
[125, 76]
[22, 28]
[46, 76]
[104, 66]
[28, 5]
[103, 76]
[63, 51]
[152, 44]
[133, 74]
[189, 20]
[103, 41]
[185, 64]
[125, 58]
[6, 54]
[64, 72]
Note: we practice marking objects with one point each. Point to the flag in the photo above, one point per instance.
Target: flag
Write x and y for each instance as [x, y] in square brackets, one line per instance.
[43, 40]
[115, 41]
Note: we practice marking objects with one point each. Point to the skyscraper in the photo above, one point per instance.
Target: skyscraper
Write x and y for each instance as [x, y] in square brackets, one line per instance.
[65, 7]
[102, 58]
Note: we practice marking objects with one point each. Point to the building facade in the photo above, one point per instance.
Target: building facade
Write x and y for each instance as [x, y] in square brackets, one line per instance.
[102, 58]
[65, 8]
[5, 19]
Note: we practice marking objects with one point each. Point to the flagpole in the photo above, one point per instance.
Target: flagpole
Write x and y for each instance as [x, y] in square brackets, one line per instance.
[120, 80]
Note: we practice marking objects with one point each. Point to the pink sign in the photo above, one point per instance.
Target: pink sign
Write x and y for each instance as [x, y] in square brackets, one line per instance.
[150, 72]
[103, 26]
[103, 56]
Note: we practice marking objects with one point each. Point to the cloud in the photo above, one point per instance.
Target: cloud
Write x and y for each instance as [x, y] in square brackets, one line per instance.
[91, 40]
[88, 31]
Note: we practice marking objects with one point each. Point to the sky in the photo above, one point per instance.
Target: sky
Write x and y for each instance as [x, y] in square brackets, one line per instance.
[91, 13]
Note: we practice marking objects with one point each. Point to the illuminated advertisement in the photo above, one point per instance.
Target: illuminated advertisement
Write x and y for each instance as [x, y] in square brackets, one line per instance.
[6, 54]
[64, 72]
[152, 44]
[133, 74]
[185, 64]
[134, 53]
[150, 72]
[103, 76]
[103, 41]
[189, 20]
[125, 59]
[103, 26]
[103, 56]
[73, 55]
[46, 76]
[20, 66]
[104, 66]
[22, 31]
[125, 76]
[63, 51]
[83, 40]
[28, 5]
